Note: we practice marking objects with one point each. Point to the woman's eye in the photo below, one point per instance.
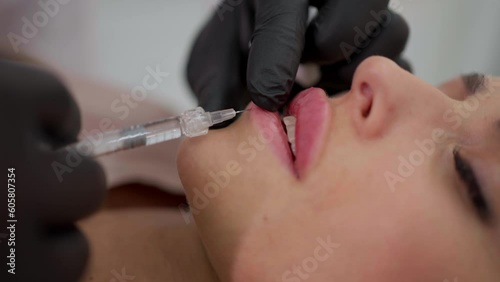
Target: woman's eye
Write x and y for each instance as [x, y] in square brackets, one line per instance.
[474, 191]
[474, 82]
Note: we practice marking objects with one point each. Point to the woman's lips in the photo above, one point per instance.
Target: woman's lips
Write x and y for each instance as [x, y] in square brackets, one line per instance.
[270, 125]
[311, 109]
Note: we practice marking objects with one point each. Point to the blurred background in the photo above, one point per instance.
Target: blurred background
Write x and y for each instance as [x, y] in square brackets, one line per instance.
[114, 41]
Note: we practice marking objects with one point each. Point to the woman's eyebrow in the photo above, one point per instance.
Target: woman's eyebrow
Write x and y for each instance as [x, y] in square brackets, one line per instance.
[474, 82]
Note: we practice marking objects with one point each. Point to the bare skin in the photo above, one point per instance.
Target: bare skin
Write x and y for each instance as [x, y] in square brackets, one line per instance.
[140, 235]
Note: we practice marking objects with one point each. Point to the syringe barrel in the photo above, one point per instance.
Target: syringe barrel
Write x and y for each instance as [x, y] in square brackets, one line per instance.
[128, 138]
[107, 142]
[190, 123]
[163, 130]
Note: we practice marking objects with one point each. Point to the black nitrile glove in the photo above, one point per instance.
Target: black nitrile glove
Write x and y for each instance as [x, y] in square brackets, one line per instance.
[51, 190]
[222, 67]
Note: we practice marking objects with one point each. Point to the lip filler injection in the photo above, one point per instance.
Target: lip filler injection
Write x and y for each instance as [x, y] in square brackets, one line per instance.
[190, 123]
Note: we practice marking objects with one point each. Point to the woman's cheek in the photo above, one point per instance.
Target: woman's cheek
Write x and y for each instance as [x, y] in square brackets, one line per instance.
[195, 161]
[187, 163]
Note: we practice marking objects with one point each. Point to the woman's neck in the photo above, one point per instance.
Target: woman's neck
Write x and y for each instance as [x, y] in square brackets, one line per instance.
[152, 244]
[188, 260]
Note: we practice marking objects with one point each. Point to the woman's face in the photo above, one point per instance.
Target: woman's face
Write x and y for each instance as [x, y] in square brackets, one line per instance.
[394, 181]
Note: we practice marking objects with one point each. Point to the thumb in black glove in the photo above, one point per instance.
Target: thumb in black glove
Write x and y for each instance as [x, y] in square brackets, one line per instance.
[224, 71]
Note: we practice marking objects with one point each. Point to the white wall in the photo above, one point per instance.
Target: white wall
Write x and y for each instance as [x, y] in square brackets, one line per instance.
[135, 34]
[115, 40]
[452, 37]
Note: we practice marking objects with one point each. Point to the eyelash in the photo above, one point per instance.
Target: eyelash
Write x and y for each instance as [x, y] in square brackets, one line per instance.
[473, 82]
[474, 191]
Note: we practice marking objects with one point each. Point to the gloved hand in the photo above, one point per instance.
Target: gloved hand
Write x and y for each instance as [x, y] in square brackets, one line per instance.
[52, 189]
[225, 73]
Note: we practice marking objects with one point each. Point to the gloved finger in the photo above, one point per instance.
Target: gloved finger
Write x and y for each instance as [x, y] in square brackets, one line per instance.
[344, 71]
[58, 114]
[338, 24]
[331, 82]
[277, 45]
[378, 46]
[45, 99]
[75, 187]
[404, 64]
[296, 89]
[45, 251]
[215, 61]
[70, 246]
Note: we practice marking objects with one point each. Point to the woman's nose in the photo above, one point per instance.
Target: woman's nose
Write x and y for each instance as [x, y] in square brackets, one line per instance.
[384, 95]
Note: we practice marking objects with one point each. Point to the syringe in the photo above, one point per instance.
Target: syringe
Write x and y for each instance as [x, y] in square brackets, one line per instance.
[190, 123]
